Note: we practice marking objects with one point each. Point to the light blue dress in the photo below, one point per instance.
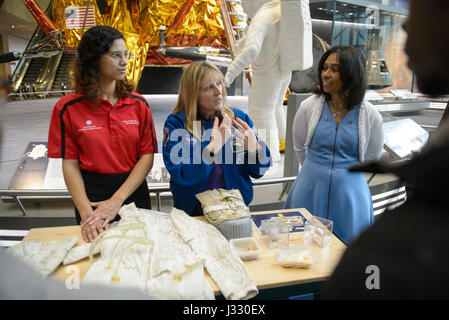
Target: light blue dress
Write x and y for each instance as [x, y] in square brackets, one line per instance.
[325, 187]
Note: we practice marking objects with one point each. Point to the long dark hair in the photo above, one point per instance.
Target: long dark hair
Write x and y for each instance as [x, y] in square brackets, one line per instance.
[352, 68]
[94, 43]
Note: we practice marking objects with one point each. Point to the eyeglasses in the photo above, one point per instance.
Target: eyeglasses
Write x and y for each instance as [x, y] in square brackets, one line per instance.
[120, 55]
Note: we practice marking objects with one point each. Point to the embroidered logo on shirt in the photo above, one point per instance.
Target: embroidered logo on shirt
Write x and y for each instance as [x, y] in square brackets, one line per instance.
[89, 126]
[134, 122]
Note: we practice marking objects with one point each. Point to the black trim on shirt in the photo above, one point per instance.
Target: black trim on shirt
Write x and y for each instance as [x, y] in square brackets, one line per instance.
[153, 136]
[141, 99]
[61, 115]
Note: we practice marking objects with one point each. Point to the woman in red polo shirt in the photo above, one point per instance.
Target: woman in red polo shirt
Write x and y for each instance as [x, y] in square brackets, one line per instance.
[104, 132]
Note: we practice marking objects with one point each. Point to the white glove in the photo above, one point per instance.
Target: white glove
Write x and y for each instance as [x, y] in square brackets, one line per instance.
[230, 76]
[239, 45]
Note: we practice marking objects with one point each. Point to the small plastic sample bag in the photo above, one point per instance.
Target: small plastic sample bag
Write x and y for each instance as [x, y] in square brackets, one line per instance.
[295, 257]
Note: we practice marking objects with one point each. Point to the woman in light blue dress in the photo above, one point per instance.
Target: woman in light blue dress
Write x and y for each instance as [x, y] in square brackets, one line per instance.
[334, 130]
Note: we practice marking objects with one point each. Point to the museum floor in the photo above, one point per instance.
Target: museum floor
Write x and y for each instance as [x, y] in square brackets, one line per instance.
[27, 121]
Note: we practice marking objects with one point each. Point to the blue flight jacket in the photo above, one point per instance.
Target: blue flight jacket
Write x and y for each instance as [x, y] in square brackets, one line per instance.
[190, 165]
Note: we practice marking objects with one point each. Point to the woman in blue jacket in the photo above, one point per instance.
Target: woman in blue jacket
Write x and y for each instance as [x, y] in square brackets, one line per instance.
[208, 145]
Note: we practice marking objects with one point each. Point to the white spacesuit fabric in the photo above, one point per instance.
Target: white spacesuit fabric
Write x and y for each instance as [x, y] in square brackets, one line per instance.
[151, 257]
[78, 253]
[223, 265]
[296, 35]
[44, 258]
[273, 50]
[222, 205]
[176, 265]
[164, 255]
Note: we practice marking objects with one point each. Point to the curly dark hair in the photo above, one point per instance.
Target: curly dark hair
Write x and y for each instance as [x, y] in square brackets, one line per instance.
[352, 68]
[95, 42]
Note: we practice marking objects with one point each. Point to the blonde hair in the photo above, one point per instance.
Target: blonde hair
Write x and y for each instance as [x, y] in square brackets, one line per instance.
[189, 89]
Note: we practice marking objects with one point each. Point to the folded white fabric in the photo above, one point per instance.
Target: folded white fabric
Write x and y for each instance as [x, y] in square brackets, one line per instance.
[45, 258]
[222, 205]
[78, 253]
[226, 210]
[224, 266]
[145, 251]
[165, 254]
[177, 272]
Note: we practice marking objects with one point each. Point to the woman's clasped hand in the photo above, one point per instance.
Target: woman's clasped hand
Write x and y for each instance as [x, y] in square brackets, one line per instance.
[98, 220]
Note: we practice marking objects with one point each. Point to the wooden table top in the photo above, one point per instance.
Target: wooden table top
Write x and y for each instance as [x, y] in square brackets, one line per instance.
[265, 270]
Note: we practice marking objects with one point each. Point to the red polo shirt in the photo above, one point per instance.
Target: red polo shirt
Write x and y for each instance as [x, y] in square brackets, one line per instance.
[107, 139]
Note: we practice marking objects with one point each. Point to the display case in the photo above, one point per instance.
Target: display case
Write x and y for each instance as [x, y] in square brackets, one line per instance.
[373, 26]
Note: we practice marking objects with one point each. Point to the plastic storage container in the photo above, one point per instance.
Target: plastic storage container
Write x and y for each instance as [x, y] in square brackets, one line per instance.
[275, 232]
[318, 231]
[246, 248]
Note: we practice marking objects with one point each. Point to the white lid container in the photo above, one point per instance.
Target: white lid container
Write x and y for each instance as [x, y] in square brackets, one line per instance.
[246, 248]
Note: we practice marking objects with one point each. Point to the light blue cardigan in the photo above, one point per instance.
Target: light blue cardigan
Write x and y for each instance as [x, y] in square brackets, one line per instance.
[371, 137]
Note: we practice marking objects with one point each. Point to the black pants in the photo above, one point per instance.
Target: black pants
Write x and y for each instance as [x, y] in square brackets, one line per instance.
[100, 186]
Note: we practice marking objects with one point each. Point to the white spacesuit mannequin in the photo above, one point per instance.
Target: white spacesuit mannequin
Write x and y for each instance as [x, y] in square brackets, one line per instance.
[274, 47]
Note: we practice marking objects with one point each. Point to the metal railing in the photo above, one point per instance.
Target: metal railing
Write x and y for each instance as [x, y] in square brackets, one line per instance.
[17, 195]
[39, 94]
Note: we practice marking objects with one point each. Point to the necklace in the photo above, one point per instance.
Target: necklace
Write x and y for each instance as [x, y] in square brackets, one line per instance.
[338, 113]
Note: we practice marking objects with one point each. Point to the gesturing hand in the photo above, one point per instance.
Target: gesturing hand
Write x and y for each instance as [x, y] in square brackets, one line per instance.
[245, 135]
[220, 133]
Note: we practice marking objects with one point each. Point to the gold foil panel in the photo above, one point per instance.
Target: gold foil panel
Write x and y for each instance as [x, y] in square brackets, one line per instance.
[201, 26]
[118, 15]
[139, 21]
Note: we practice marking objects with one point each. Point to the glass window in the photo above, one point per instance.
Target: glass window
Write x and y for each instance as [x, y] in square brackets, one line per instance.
[376, 28]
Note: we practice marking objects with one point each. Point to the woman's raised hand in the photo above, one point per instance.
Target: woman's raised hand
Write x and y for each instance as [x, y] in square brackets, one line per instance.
[245, 136]
[220, 133]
